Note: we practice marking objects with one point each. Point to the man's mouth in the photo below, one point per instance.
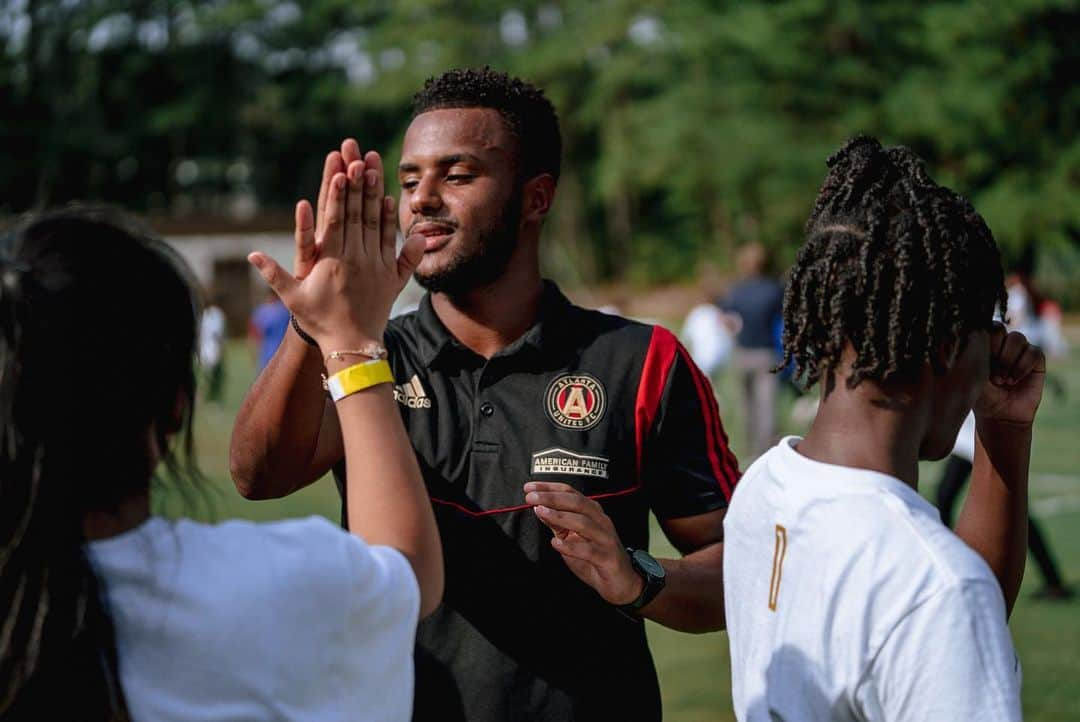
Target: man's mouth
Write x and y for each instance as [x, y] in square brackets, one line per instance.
[437, 234]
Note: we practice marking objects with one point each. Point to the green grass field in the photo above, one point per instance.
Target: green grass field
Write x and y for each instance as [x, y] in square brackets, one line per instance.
[694, 669]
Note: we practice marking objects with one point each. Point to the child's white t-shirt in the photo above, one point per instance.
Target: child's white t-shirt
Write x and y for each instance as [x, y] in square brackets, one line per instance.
[291, 620]
[848, 599]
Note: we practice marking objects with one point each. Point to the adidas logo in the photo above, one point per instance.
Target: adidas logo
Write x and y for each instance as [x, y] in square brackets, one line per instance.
[412, 394]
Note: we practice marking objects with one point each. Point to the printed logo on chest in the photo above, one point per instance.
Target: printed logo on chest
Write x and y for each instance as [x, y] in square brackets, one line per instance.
[561, 461]
[575, 401]
[411, 394]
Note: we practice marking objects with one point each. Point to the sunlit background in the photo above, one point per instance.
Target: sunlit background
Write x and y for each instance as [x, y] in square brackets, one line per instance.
[689, 129]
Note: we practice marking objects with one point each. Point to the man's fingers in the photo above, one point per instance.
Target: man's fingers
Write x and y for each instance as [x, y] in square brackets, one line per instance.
[333, 165]
[577, 548]
[548, 486]
[583, 525]
[564, 501]
[350, 150]
[274, 275]
[555, 529]
[333, 236]
[412, 252]
[354, 209]
[389, 233]
[305, 239]
[373, 201]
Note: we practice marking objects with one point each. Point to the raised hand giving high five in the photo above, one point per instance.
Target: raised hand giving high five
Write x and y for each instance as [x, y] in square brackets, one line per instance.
[348, 276]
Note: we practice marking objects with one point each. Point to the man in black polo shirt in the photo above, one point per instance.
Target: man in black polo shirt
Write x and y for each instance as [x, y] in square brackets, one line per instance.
[546, 432]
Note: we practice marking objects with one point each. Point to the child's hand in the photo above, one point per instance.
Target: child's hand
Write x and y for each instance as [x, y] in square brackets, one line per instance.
[1017, 373]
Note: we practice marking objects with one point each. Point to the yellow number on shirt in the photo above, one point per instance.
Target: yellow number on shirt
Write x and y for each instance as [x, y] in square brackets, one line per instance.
[777, 565]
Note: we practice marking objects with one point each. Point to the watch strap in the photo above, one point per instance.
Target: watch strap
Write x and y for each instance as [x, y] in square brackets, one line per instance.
[653, 585]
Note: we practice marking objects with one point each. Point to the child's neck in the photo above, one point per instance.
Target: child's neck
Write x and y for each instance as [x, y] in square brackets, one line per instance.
[865, 428]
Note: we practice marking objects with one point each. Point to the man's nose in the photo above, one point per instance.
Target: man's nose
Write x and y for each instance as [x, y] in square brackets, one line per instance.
[425, 198]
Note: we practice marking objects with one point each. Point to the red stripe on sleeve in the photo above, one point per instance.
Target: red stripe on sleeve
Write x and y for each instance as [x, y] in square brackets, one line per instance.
[723, 462]
[728, 456]
[658, 362]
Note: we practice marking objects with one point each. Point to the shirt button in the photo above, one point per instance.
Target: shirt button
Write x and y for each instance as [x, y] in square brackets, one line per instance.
[487, 409]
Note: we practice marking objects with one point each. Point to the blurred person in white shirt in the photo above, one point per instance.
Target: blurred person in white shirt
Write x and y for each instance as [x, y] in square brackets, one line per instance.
[212, 347]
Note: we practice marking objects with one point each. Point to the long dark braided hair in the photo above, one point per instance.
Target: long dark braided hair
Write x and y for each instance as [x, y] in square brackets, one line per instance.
[894, 264]
[97, 340]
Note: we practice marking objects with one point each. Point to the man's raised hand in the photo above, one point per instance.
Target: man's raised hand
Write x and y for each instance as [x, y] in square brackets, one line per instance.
[311, 226]
[351, 279]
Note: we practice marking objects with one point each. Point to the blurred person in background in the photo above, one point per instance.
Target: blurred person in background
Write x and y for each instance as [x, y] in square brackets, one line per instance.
[266, 328]
[113, 613]
[756, 300]
[709, 334]
[212, 347]
[1035, 315]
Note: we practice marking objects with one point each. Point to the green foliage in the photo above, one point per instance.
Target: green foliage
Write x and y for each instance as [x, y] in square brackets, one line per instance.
[689, 128]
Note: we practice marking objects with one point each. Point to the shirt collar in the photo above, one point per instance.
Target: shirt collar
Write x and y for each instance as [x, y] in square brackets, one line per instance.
[435, 341]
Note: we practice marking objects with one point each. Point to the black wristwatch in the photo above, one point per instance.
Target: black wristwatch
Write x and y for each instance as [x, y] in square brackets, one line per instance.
[653, 574]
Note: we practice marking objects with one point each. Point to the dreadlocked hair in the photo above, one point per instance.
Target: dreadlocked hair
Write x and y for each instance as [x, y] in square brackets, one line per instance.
[894, 265]
[530, 116]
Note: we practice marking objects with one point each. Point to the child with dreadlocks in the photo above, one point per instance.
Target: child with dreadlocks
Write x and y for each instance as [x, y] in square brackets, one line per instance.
[846, 597]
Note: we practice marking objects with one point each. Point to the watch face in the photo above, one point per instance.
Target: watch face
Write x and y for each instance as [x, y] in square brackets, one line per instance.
[647, 563]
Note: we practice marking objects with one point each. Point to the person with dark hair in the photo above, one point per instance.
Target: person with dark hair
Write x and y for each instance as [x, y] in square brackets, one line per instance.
[847, 598]
[546, 432]
[113, 613]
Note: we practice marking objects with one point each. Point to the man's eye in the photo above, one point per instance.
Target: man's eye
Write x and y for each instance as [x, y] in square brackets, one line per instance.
[409, 184]
[459, 177]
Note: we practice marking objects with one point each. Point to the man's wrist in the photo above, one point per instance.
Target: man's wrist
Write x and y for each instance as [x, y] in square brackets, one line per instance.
[653, 577]
[634, 591]
[304, 336]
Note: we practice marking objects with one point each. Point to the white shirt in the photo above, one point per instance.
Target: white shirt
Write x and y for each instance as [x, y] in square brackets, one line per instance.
[211, 336]
[965, 439]
[707, 338]
[291, 620]
[848, 599]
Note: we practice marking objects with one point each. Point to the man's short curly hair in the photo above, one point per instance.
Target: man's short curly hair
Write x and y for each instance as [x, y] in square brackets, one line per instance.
[528, 114]
[894, 264]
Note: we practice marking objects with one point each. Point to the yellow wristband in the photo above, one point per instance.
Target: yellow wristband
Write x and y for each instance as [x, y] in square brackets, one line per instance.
[359, 377]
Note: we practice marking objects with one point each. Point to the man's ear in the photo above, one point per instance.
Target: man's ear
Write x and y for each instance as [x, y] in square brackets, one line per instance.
[537, 197]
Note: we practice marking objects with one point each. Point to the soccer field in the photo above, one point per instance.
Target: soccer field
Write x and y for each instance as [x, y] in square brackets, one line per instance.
[694, 670]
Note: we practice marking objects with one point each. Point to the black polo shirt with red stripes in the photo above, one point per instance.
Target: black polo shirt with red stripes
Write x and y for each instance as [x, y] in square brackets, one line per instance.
[612, 407]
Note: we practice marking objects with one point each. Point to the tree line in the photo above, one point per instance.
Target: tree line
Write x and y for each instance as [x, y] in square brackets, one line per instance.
[689, 128]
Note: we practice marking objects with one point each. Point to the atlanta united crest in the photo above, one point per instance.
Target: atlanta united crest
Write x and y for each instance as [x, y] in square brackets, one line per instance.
[575, 401]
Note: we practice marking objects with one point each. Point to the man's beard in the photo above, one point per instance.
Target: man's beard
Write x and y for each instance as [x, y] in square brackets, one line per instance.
[480, 266]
